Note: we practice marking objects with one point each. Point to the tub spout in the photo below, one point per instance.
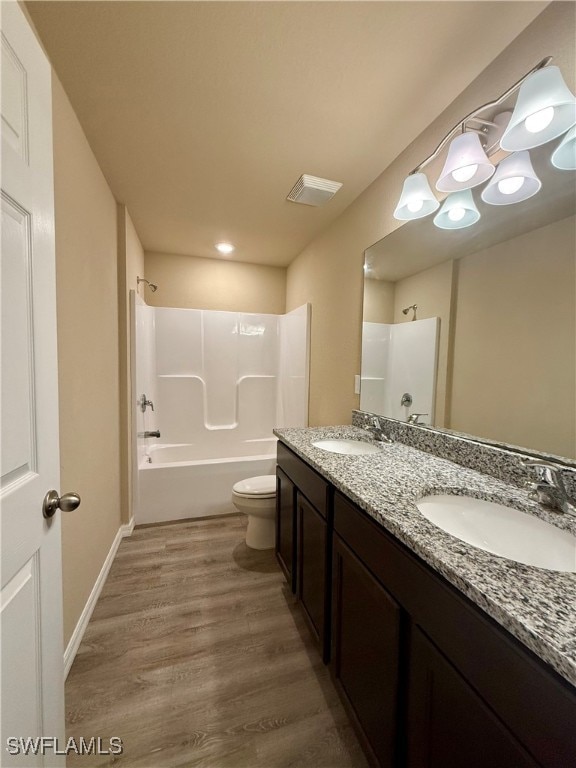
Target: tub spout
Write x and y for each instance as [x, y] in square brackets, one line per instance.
[155, 433]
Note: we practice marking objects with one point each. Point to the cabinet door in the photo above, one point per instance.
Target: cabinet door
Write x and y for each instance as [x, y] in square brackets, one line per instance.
[366, 653]
[449, 725]
[312, 533]
[285, 526]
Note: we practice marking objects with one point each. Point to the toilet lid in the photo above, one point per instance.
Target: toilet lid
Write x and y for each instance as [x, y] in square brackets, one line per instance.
[263, 486]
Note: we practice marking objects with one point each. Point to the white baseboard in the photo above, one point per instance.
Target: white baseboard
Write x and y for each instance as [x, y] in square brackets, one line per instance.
[78, 634]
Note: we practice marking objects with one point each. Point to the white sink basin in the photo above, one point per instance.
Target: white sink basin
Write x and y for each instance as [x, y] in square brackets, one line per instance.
[347, 447]
[502, 530]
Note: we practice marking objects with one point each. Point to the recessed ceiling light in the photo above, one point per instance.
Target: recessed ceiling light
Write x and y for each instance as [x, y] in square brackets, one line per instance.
[224, 247]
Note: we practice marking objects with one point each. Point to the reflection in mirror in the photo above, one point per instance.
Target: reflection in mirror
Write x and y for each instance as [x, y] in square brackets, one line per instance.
[502, 294]
[398, 377]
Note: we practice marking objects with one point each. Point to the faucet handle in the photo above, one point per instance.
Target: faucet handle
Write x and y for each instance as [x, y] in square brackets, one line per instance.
[550, 489]
[546, 472]
[413, 418]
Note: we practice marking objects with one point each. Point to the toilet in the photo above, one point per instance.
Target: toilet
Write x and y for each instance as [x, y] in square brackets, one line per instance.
[256, 497]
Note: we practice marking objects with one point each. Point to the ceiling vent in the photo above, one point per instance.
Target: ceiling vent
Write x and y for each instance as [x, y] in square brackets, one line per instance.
[312, 190]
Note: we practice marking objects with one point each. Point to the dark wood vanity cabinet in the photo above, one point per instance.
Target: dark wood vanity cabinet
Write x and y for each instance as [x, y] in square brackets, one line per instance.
[304, 529]
[366, 653]
[286, 526]
[311, 571]
[468, 693]
[449, 724]
[429, 679]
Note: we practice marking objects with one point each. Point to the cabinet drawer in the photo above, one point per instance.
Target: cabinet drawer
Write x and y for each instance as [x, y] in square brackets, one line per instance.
[368, 540]
[309, 482]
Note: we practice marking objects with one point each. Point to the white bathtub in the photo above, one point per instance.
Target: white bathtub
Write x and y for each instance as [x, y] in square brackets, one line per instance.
[192, 480]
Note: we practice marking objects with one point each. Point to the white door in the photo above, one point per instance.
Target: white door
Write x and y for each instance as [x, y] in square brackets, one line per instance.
[32, 681]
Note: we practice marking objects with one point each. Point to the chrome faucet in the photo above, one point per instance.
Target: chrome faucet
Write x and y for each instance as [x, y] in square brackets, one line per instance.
[155, 433]
[413, 418]
[376, 431]
[549, 489]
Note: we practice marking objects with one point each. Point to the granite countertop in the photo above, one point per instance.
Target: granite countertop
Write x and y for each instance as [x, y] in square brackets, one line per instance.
[535, 605]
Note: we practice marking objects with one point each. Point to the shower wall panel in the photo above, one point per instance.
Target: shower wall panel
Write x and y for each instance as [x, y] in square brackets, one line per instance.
[374, 372]
[218, 377]
[220, 368]
[293, 368]
[178, 341]
[412, 368]
[145, 372]
[256, 407]
[181, 408]
[399, 359]
[257, 344]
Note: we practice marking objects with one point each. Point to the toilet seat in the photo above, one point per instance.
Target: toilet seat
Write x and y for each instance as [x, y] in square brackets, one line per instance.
[260, 487]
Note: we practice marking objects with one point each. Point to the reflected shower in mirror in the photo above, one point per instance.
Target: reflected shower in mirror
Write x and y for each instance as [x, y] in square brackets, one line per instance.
[398, 377]
[503, 297]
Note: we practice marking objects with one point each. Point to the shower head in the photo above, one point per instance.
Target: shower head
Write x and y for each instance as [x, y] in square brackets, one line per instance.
[407, 309]
[153, 287]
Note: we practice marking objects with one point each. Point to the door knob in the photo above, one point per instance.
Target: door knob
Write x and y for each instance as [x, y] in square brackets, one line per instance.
[68, 502]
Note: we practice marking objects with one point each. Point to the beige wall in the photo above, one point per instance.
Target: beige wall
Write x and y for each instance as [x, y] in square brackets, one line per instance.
[130, 266]
[514, 347]
[432, 291]
[378, 304]
[196, 283]
[328, 273]
[86, 276]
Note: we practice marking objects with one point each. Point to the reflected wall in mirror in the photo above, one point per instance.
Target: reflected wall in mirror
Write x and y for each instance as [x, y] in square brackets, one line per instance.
[504, 293]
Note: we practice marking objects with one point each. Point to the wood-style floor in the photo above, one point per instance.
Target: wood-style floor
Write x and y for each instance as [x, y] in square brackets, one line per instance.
[196, 656]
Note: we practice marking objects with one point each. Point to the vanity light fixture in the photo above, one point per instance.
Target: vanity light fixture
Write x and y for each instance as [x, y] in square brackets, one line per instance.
[417, 199]
[224, 247]
[466, 166]
[515, 180]
[546, 108]
[458, 211]
[564, 156]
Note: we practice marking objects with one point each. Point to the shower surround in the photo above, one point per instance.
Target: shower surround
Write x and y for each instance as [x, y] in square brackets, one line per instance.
[397, 360]
[220, 382]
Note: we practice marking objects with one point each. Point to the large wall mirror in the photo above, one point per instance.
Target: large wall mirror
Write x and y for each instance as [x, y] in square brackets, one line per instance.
[496, 357]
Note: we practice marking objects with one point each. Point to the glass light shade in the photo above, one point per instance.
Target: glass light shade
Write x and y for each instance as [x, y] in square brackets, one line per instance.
[458, 211]
[545, 109]
[515, 180]
[417, 199]
[564, 156]
[466, 165]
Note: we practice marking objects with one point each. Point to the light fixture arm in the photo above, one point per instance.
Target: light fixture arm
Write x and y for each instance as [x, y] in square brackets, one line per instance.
[461, 125]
